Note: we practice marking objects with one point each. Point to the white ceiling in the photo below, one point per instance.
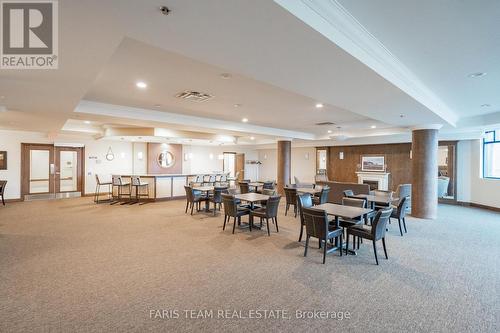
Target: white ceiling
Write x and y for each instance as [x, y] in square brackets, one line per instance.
[280, 66]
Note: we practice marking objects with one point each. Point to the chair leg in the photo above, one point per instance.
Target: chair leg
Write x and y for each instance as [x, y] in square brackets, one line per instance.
[234, 224]
[385, 250]
[301, 232]
[295, 210]
[404, 224]
[192, 207]
[96, 194]
[341, 242]
[319, 243]
[224, 226]
[276, 221]
[347, 244]
[400, 230]
[359, 240]
[267, 222]
[187, 206]
[324, 252]
[286, 209]
[307, 245]
[375, 251]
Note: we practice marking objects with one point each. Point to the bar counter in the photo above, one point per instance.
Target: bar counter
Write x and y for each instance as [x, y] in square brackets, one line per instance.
[164, 186]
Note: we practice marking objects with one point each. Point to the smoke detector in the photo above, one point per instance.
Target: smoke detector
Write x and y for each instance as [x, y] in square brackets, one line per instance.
[195, 96]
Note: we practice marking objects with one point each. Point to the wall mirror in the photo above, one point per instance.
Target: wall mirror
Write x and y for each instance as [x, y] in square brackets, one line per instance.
[166, 159]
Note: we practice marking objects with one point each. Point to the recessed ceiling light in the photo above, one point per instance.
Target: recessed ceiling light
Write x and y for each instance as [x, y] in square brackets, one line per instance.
[373, 126]
[329, 131]
[319, 105]
[244, 120]
[485, 105]
[122, 138]
[226, 76]
[477, 74]
[2, 97]
[401, 115]
[237, 105]
[141, 85]
[139, 137]
[252, 138]
[157, 105]
[87, 122]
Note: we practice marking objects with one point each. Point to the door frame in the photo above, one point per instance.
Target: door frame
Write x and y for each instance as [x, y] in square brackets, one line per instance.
[454, 170]
[80, 167]
[25, 168]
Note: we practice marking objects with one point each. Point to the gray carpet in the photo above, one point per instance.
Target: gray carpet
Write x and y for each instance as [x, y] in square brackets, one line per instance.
[72, 266]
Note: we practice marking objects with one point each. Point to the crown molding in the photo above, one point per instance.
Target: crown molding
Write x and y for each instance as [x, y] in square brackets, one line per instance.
[333, 21]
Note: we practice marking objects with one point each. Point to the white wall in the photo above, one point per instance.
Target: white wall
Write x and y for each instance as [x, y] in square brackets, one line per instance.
[303, 164]
[483, 191]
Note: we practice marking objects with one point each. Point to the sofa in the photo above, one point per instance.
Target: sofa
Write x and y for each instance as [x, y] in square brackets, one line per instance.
[337, 190]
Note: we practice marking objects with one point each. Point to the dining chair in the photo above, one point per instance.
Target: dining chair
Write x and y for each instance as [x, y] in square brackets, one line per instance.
[98, 185]
[3, 184]
[216, 198]
[244, 188]
[268, 185]
[139, 185]
[267, 192]
[399, 212]
[404, 190]
[193, 197]
[317, 225]
[231, 209]
[303, 201]
[291, 199]
[384, 194]
[120, 185]
[374, 233]
[347, 223]
[268, 212]
[323, 196]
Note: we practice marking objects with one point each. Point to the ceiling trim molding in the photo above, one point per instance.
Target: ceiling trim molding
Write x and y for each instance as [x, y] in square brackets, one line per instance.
[334, 22]
[120, 111]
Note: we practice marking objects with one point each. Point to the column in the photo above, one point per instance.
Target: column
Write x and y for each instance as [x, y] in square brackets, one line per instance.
[284, 164]
[424, 173]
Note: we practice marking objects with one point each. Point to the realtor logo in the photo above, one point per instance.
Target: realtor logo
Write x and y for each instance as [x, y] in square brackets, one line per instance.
[29, 36]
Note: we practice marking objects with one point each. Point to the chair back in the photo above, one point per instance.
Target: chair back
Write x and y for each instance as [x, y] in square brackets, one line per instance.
[303, 201]
[321, 178]
[236, 175]
[268, 186]
[230, 205]
[3, 183]
[272, 206]
[189, 193]
[291, 195]
[116, 180]
[97, 180]
[135, 180]
[348, 193]
[353, 202]
[380, 222]
[381, 193]
[212, 179]
[268, 192]
[402, 207]
[404, 190]
[323, 197]
[296, 180]
[244, 188]
[223, 178]
[316, 222]
[218, 191]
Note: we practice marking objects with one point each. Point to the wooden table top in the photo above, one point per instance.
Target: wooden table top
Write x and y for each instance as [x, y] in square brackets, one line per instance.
[347, 212]
[375, 198]
[256, 184]
[204, 188]
[309, 190]
[252, 197]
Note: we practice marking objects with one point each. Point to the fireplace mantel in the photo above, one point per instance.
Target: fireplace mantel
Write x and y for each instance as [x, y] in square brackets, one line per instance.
[382, 178]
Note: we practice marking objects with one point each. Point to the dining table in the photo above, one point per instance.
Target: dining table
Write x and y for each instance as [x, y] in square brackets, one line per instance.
[255, 185]
[206, 190]
[346, 212]
[251, 198]
[312, 191]
[372, 199]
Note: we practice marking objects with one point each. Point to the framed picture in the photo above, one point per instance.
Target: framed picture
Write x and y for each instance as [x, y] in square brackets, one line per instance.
[3, 160]
[373, 163]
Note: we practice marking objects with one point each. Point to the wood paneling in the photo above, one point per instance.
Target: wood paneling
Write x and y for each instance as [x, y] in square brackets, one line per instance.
[284, 164]
[154, 150]
[397, 158]
[240, 166]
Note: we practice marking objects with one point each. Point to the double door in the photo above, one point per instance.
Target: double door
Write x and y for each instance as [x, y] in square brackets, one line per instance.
[50, 172]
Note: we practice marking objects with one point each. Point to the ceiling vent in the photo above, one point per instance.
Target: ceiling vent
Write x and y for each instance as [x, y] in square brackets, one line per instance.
[325, 123]
[193, 96]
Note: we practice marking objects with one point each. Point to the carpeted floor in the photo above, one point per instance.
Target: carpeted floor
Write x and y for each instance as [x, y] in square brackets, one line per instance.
[73, 266]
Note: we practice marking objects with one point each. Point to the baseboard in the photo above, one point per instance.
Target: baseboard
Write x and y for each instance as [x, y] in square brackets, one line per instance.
[476, 205]
[13, 200]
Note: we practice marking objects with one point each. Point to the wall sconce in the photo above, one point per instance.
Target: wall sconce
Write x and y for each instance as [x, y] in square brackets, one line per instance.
[265, 156]
[341, 155]
[306, 156]
[411, 154]
[186, 156]
[140, 156]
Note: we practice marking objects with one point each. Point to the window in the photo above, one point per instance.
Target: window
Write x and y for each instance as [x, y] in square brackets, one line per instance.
[491, 154]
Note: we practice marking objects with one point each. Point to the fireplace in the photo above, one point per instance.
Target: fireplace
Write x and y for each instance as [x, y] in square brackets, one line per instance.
[376, 180]
[373, 184]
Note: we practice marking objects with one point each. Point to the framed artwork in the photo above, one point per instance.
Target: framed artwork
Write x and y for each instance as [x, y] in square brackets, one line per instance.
[3, 160]
[373, 163]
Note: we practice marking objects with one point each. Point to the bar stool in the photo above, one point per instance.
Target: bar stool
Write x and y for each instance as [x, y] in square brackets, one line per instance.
[98, 189]
[136, 182]
[120, 185]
